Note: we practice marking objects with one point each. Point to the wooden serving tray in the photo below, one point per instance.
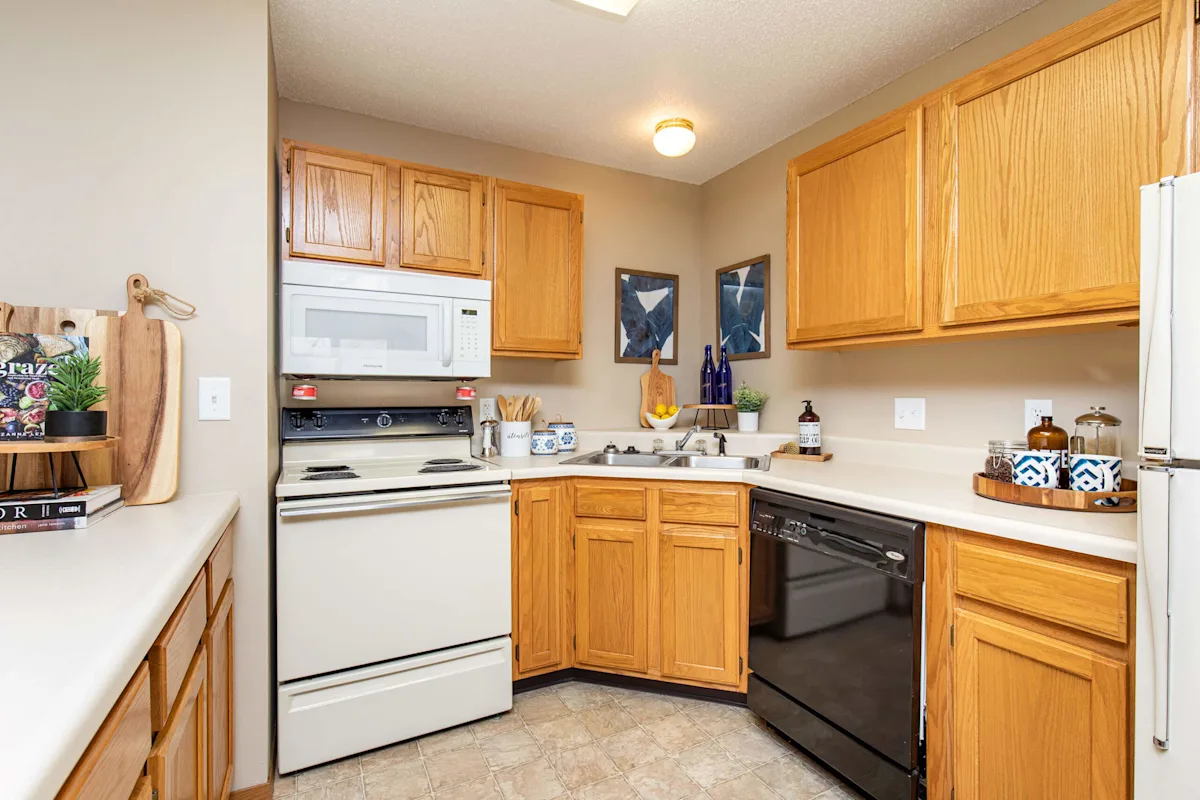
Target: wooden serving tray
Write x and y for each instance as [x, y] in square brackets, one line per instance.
[798, 457]
[1062, 499]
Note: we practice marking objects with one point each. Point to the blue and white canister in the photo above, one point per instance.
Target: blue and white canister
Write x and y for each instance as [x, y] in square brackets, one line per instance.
[1037, 468]
[1096, 473]
[545, 443]
[565, 432]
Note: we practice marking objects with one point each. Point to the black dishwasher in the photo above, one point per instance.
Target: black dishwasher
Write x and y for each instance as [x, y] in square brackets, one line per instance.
[836, 636]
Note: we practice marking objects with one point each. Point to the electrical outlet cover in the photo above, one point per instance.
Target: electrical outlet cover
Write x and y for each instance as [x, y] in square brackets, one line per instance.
[487, 409]
[1035, 410]
[910, 413]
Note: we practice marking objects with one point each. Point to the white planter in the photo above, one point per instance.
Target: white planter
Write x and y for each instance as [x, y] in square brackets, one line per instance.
[515, 438]
[747, 420]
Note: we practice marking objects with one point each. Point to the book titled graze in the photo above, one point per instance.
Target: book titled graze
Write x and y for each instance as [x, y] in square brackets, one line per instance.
[26, 369]
[38, 505]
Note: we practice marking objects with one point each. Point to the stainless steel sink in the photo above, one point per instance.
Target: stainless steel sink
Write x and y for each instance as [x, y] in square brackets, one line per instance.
[720, 462]
[620, 459]
[671, 460]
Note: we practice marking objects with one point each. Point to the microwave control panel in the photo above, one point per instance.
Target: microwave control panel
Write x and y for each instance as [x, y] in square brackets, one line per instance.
[472, 332]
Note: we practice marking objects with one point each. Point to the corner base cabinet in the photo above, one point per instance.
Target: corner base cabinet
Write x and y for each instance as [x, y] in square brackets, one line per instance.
[1029, 671]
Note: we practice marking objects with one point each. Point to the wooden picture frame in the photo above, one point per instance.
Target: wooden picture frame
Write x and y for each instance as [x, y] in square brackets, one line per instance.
[765, 352]
[670, 352]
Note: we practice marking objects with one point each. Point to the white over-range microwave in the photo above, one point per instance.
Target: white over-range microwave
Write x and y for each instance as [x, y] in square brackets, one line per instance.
[337, 320]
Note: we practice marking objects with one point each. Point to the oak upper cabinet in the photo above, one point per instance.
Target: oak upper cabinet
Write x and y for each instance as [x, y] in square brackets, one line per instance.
[1035, 717]
[442, 221]
[540, 549]
[700, 608]
[337, 209]
[218, 643]
[1042, 154]
[178, 764]
[853, 233]
[612, 618]
[537, 308]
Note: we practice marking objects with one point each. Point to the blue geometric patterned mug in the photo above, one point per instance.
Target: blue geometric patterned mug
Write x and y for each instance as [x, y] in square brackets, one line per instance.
[1093, 473]
[1036, 468]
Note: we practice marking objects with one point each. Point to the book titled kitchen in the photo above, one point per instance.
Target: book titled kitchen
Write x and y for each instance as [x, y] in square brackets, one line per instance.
[40, 510]
[26, 369]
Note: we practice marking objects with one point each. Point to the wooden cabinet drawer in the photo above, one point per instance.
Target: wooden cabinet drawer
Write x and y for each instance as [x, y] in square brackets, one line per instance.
[609, 500]
[714, 505]
[113, 762]
[1086, 599]
[218, 569]
[171, 654]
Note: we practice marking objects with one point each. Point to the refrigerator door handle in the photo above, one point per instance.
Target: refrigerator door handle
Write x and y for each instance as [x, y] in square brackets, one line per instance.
[1157, 338]
[1154, 578]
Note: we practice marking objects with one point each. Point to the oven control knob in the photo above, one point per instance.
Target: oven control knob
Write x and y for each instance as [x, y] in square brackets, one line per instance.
[297, 421]
[384, 420]
[459, 418]
[443, 418]
[318, 420]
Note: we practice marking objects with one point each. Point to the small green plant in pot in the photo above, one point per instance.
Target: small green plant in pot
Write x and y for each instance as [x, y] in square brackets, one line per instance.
[72, 394]
[749, 402]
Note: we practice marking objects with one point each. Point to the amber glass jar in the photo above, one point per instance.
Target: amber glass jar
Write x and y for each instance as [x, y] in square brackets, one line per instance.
[1048, 436]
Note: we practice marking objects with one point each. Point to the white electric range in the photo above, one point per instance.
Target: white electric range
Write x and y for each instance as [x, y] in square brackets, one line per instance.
[393, 582]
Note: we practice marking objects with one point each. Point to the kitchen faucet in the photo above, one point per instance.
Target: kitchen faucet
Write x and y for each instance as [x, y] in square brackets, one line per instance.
[682, 443]
[721, 442]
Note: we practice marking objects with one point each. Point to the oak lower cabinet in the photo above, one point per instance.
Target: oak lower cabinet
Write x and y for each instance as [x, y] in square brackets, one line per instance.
[611, 588]
[700, 603]
[171, 732]
[1030, 664]
[537, 289]
[654, 579]
[541, 576]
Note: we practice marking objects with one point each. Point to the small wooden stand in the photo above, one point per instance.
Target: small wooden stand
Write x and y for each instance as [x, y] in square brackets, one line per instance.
[48, 448]
[799, 457]
[1062, 499]
[710, 411]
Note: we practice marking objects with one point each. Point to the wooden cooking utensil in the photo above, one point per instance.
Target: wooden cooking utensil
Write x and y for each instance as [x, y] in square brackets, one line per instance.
[535, 405]
[517, 408]
[502, 407]
[657, 387]
[142, 364]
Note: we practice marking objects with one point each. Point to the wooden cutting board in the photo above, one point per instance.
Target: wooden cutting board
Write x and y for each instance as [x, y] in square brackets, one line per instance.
[657, 387]
[142, 364]
[99, 467]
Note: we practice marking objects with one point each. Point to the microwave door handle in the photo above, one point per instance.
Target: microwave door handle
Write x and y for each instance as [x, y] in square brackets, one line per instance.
[447, 333]
[1154, 556]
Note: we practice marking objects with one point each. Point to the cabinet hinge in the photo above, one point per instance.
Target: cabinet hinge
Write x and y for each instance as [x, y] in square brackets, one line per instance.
[739, 555]
[572, 540]
[485, 199]
[573, 645]
[289, 165]
[154, 794]
[581, 337]
[287, 234]
[1196, 11]
[952, 636]
[517, 653]
[516, 508]
[580, 217]
[741, 665]
[482, 256]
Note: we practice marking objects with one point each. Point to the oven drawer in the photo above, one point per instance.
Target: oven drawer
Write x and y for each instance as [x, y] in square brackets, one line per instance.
[372, 578]
[322, 719]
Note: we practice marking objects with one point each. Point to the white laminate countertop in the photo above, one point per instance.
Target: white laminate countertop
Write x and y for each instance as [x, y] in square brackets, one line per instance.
[895, 482]
[78, 611]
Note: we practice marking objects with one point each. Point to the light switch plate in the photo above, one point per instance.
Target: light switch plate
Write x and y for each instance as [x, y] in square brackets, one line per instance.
[213, 398]
[1035, 410]
[910, 413]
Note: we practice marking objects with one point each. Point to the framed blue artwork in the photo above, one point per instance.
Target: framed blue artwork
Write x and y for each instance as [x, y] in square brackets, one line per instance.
[744, 308]
[647, 316]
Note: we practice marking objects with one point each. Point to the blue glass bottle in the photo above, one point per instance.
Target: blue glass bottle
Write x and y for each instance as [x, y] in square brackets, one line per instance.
[724, 393]
[708, 378]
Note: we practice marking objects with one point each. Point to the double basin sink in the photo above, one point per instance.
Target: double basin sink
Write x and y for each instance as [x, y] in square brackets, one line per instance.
[602, 459]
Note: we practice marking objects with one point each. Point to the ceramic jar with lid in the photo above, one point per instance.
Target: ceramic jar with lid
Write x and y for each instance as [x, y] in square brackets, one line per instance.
[545, 443]
[998, 465]
[565, 433]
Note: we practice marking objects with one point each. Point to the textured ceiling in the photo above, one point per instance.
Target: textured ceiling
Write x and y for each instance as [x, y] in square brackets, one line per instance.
[556, 77]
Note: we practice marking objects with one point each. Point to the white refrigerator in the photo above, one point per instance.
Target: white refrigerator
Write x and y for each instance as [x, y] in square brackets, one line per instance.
[1167, 714]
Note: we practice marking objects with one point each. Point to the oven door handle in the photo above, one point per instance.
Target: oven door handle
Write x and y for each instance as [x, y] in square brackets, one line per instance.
[390, 505]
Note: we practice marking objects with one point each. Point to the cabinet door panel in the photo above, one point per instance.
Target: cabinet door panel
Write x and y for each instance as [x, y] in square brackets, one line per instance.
[1035, 718]
[541, 564]
[178, 764]
[611, 587]
[853, 226]
[218, 643]
[442, 222]
[1043, 154]
[537, 307]
[699, 604]
[337, 207]
[113, 761]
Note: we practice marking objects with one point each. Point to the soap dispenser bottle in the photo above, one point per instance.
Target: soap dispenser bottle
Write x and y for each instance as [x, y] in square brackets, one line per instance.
[810, 431]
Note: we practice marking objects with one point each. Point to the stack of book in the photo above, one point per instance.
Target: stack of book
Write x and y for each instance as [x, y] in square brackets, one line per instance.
[40, 510]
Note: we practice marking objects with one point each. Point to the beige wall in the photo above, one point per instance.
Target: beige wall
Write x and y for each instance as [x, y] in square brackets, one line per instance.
[136, 140]
[973, 391]
[630, 221]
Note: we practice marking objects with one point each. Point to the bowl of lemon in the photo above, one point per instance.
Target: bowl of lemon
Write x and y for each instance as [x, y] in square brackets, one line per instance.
[662, 417]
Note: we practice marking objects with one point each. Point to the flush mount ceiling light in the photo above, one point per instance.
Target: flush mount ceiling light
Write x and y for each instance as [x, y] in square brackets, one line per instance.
[674, 137]
[619, 7]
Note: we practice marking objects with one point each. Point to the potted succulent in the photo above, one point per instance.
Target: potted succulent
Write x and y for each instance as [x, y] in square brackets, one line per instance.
[72, 394]
[749, 402]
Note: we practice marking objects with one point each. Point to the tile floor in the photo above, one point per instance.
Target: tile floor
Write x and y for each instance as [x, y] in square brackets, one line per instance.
[585, 742]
